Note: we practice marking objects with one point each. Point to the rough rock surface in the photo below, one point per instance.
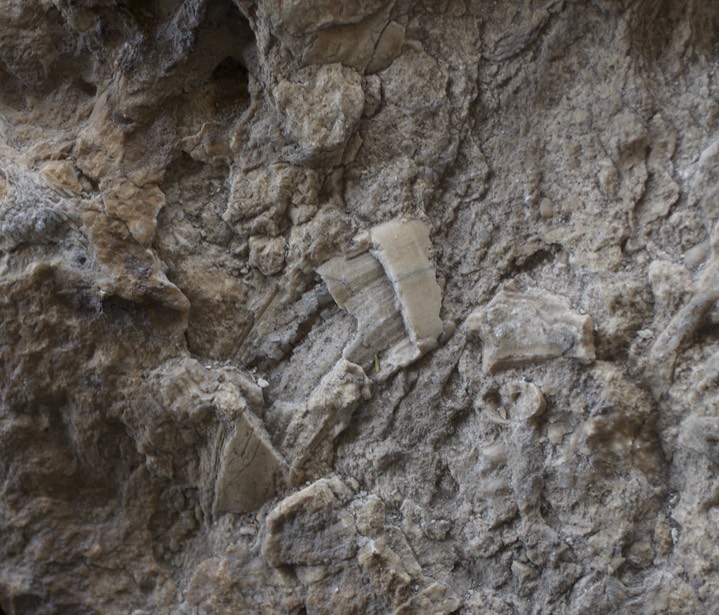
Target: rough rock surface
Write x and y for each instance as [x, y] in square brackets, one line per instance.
[204, 410]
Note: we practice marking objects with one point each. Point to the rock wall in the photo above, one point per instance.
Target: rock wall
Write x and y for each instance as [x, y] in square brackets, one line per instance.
[378, 306]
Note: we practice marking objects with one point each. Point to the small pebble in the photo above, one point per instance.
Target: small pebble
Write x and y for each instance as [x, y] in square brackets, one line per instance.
[546, 208]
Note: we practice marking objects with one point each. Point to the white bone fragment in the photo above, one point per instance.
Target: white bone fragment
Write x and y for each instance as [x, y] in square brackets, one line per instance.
[523, 327]
[403, 249]
[360, 286]
[393, 294]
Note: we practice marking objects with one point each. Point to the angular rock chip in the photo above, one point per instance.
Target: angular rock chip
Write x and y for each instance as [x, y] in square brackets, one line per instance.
[311, 527]
[321, 107]
[701, 435]
[392, 292]
[327, 413]
[136, 206]
[529, 326]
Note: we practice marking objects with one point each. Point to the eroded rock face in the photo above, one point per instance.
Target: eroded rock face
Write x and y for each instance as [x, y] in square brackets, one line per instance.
[376, 306]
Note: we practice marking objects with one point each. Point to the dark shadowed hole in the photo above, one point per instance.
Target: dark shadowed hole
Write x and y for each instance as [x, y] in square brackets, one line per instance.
[27, 604]
[230, 68]
[230, 76]
[86, 88]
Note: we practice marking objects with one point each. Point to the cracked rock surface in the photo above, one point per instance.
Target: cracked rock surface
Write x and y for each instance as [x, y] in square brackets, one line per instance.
[359, 306]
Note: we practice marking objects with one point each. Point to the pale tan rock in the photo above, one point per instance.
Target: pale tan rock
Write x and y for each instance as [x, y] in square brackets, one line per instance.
[320, 107]
[131, 271]
[388, 47]
[135, 206]
[326, 413]
[352, 44]
[436, 598]
[298, 17]
[271, 191]
[529, 326]
[384, 567]
[267, 254]
[310, 527]
[214, 589]
[60, 175]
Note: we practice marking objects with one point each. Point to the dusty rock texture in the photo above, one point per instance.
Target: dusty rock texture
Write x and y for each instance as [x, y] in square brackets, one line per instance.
[359, 306]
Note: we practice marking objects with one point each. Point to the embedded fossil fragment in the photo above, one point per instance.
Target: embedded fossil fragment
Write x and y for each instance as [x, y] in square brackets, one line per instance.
[403, 248]
[201, 429]
[682, 327]
[249, 468]
[526, 400]
[392, 292]
[360, 286]
[522, 327]
[327, 412]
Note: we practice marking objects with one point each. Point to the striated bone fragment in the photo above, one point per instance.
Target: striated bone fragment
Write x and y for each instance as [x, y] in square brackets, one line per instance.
[359, 285]
[531, 326]
[403, 249]
[249, 471]
[392, 292]
[202, 429]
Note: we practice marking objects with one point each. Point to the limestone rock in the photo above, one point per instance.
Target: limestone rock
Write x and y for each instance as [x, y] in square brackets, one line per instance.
[268, 255]
[321, 107]
[359, 306]
[310, 527]
[327, 412]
